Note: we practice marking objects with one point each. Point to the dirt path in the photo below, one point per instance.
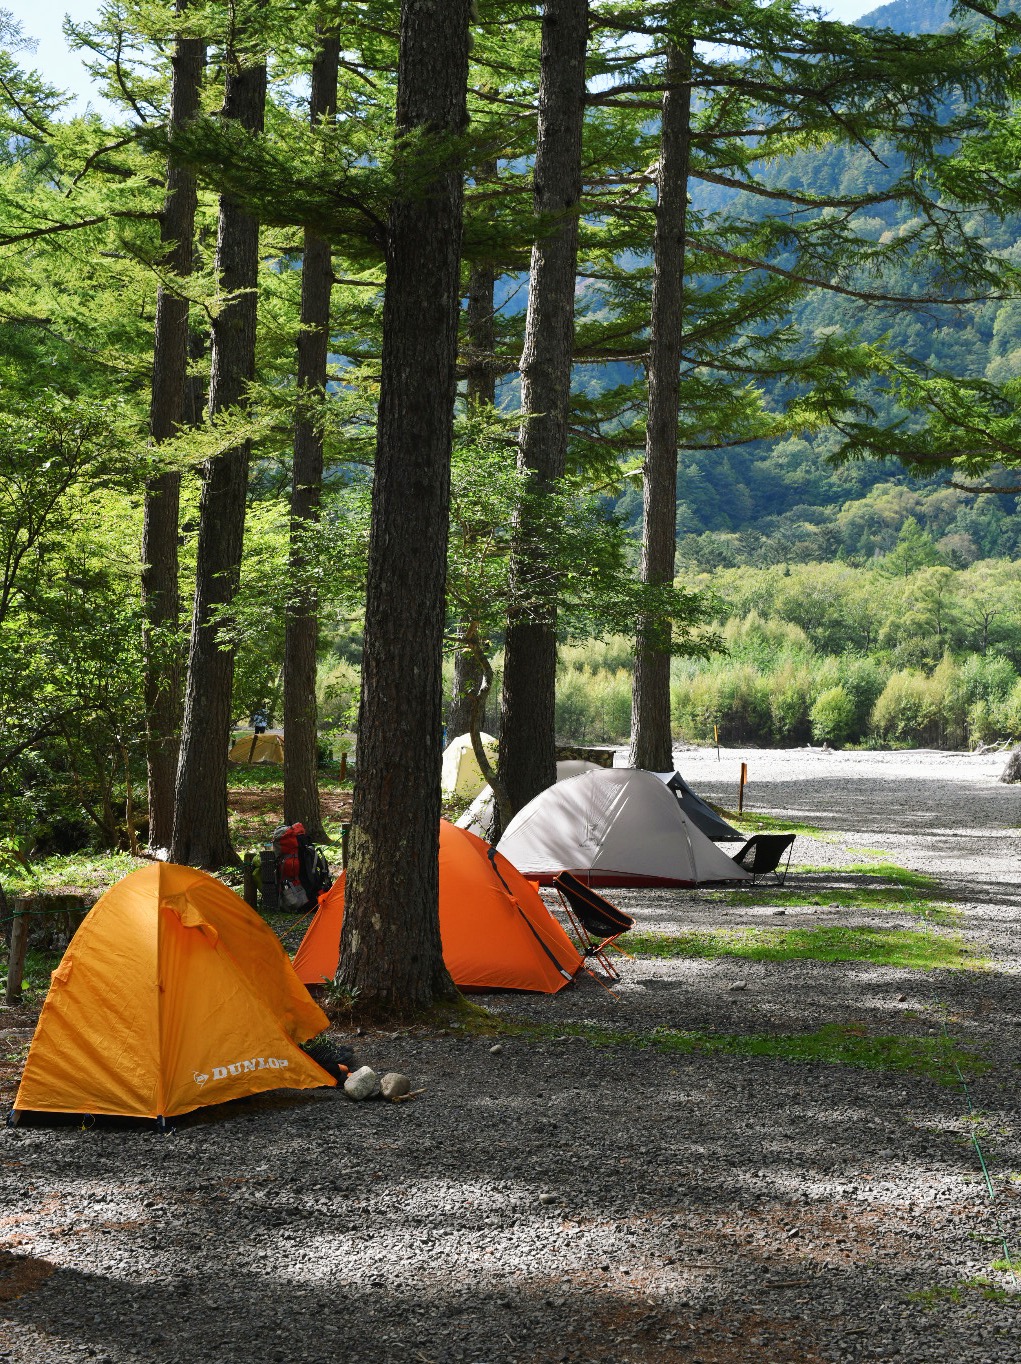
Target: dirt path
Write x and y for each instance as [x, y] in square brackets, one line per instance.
[766, 1174]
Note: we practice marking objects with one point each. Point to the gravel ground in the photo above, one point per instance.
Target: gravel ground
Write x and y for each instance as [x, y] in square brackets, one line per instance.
[561, 1200]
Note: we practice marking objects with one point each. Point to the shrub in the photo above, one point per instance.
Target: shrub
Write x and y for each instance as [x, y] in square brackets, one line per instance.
[833, 716]
[1006, 714]
[909, 710]
[790, 700]
[734, 696]
[863, 680]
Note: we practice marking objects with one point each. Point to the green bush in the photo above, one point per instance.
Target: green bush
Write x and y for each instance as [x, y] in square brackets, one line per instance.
[734, 696]
[1006, 714]
[790, 700]
[833, 716]
[594, 705]
[909, 711]
[863, 680]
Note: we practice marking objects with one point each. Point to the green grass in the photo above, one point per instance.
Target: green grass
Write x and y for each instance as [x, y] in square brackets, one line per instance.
[754, 823]
[960, 1292]
[914, 949]
[78, 871]
[865, 898]
[913, 880]
[832, 1044]
[886, 871]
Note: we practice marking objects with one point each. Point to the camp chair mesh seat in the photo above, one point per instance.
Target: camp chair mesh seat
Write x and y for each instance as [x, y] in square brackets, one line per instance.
[595, 923]
[762, 855]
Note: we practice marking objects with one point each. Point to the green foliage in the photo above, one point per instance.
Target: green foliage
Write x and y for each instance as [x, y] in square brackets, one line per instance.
[833, 715]
[864, 149]
[74, 872]
[908, 711]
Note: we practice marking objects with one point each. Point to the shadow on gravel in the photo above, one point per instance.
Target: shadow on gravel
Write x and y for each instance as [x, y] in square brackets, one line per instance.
[749, 1212]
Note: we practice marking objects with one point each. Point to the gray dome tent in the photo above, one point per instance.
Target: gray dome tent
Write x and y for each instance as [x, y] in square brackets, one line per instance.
[614, 827]
[703, 816]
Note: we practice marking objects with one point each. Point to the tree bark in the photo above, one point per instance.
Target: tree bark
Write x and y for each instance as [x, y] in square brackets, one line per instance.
[391, 954]
[301, 621]
[481, 390]
[528, 733]
[201, 835]
[651, 737]
[481, 327]
[168, 412]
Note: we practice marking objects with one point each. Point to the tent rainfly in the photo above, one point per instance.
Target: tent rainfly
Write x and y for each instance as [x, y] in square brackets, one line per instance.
[480, 816]
[460, 774]
[497, 934]
[614, 827]
[258, 748]
[703, 816]
[173, 994]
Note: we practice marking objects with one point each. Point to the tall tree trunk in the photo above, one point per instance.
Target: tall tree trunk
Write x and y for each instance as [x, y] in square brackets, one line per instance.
[651, 739]
[168, 412]
[391, 953]
[201, 835]
[481, 326]
[301, 621]
[528, 736]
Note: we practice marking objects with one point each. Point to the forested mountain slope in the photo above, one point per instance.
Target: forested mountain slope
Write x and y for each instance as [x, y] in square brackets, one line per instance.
[785, 501]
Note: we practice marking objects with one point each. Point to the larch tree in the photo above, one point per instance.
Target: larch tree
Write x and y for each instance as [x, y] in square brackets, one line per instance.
[201, 834]
[651, 738]
[301, 626]
[167, 414]
[528, 733]
[391, 954]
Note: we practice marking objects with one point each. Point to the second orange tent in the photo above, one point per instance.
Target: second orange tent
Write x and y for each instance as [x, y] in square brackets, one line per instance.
[497, 933]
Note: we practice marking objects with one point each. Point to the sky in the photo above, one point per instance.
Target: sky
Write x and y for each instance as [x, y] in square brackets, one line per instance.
[42, 20]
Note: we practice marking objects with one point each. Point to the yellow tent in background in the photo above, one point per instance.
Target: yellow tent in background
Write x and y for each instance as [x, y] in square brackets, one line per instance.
[460, 774]
[173, 994]
[257, 748]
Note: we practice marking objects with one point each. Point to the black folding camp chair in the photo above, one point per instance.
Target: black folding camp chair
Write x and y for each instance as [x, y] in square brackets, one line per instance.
[762, 855]
[594, 922]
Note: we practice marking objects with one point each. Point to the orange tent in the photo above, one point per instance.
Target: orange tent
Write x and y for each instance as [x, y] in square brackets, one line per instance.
[497, 933]
[173, 994]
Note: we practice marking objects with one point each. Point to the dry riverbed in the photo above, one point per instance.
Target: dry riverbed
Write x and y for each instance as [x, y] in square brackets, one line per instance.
[759, 1151]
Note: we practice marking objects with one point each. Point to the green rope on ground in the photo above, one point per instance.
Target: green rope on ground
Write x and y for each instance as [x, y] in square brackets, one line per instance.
[981, 1158]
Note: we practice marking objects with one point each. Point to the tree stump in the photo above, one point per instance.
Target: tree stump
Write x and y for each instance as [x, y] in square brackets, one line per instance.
[17, 953]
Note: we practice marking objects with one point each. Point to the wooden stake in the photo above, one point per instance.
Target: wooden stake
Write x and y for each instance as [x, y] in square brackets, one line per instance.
[17, 954]
[740, 792]
[343, 766]
[716, 740]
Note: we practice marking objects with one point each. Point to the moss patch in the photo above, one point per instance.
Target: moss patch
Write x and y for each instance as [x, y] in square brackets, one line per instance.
[915, 949]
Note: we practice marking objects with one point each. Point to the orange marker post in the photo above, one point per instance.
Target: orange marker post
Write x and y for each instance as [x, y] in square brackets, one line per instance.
[740, 791]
